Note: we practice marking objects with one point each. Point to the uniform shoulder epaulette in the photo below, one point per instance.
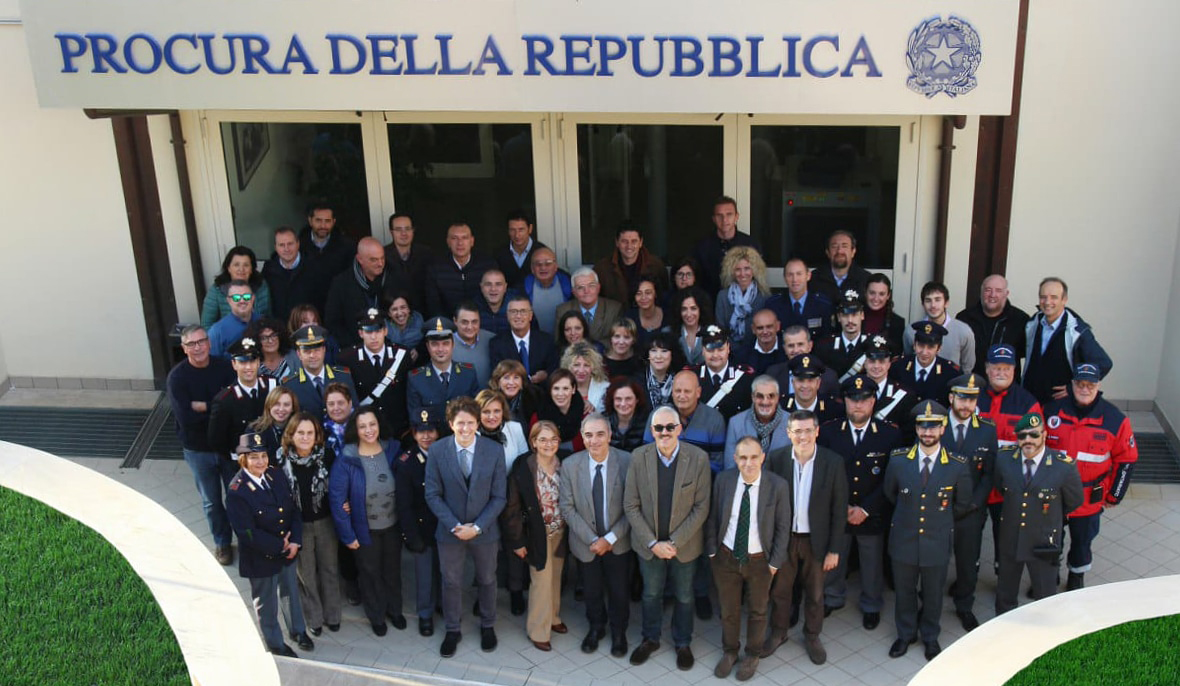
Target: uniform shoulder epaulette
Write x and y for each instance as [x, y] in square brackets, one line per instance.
[1064, 457]
[404, 457]
[899, 451]
[1011, 449]
[289, 377]
[743, 368]
[340, 369]
[957, 458]
[464, 365]
[984, 421]
[416, 371]
[235, 483]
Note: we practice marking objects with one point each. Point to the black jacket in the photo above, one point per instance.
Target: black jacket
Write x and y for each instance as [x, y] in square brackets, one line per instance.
[348, 300]
[448, 285]
[417, 521]
[290, 287]
[827, 505]
[513, 274]
[1008, 328]
[521, 521]
[542, 351]
[410, 275]
[334, 257]
[823, 281]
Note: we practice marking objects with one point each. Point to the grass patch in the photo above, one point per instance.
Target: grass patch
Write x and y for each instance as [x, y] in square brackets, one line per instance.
[72, 611]
[1132, 654]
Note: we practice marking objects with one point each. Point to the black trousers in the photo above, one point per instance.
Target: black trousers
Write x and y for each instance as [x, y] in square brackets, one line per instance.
[1041, 573]
[606, 583]
[379, 574]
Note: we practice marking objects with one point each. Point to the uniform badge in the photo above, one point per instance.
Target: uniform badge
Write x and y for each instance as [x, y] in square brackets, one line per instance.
[943, 57]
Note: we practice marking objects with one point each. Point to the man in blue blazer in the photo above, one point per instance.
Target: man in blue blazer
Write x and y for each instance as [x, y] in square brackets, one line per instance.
[528, 345]
[466, 487]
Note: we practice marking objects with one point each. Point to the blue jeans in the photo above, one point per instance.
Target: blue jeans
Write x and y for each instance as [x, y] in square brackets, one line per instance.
[655, 573]
[1082, 532]
[209, 473]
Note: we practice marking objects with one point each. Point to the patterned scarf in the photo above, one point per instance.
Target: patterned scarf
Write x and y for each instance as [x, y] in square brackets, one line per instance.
[287, 459]
[766, 431]
[743, 307]
[659, 392]
[497, 435]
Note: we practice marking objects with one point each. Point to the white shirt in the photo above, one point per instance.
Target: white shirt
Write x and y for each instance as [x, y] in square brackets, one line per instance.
[1036, 461]
[918, 368]
[593, 465]
[758, 346]
[754, 544]
[814, 404]
[922, 457]
[517, 340]
[259, 481]
[246, 390]
[954, 428]
[803, 474]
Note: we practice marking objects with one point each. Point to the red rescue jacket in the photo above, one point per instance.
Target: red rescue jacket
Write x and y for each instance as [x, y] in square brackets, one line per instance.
[1100, 440]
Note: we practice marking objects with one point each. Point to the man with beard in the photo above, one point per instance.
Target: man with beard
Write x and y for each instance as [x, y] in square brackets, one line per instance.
[844, 352]
[925, 370]
[1040, 486]
[765, 420]
[929, 487]
[841, 274]
[327, 249]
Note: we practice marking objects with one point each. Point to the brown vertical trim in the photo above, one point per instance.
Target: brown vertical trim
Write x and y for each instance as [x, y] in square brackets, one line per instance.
[186, 203]
[149, 246]
[995, 173]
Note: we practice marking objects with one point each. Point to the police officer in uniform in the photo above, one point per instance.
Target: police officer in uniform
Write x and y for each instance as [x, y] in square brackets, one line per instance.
[379, 370]
[1039, 486]
[930, 486]
[865, 443]
[924, 370]
[974, 439]
[806, 372]
[239, 403]
[417, 521]
[894, 399]
[270, 533]
[441, 378]
[844, 352]
[310, 382]
[725, 386]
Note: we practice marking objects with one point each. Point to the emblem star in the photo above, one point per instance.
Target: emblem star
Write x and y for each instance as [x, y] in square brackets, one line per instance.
[942, 53]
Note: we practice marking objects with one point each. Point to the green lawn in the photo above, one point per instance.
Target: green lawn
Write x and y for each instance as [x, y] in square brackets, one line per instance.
[1142, 653]
[72, 611]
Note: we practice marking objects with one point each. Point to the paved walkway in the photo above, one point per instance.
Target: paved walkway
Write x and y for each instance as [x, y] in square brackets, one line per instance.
[1140, 538]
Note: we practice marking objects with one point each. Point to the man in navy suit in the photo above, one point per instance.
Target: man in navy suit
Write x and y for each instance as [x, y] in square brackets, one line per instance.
[466, 487]
[800, 305]
[532, 347]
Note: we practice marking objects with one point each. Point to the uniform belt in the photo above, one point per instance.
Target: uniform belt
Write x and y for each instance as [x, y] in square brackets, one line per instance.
[1094, 482]
[796, 534]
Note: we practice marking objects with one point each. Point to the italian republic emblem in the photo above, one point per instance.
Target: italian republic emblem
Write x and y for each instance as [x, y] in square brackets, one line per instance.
[942, 57]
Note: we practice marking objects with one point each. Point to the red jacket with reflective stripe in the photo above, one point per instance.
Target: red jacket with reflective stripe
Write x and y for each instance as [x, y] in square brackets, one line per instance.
[1005, 408]
[1100, 440]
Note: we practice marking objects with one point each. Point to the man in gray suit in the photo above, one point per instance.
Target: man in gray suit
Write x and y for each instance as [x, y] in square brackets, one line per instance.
[591, 501]
[746, 540]
[930, 487]
[666, 499]
[466, 489]
[600, 313]
[818, 492]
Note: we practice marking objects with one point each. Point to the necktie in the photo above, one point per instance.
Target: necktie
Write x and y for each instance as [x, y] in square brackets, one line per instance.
[716, 380]
[597, 491]
[1028, 465]
[925, 471]
[960, 434]
[319, 385]
[860, 436]
[741, 540]
[265, 486]
[376, 360]
[465, 461]
[921, 376]
[589, 316]
[524, 356]
[798, 309]
[254, 393]
[446, 379]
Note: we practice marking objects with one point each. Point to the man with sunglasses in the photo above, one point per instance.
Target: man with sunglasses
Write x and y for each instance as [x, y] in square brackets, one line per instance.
[1039, 486]
[666, 500]
[229, 329]
[1085, 426]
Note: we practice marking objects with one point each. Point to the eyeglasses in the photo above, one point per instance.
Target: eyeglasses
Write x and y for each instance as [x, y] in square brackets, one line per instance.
[801, 432]
[661, 428]
[242, 297]
[268, 337]
[684, 275]
[546, 440]
[1028, 434]
[518, 313]
[198, 342]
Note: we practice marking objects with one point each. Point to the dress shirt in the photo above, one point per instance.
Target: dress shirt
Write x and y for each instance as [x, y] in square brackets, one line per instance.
[610, 535]
[803, 474]
[754, 544]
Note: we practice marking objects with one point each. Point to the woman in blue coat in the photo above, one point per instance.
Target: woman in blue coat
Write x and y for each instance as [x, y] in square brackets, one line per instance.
[364, 508]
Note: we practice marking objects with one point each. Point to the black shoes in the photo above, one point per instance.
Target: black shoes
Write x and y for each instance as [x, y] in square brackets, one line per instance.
[425, 626]
[704, 608]
[968, 619]
[487, 639]
[285, 651]
[316, 630]
[1075, 581]
[900, 647]
[304, 641]
[398, 621]
[450, 644]
[333, 628]
[932, 649]
[871, 620]
[225, 558]
[643, 651]
[517, 604]
[829, 609]
[684, 659]
[379, 629]
[618, 646]
[590, 643]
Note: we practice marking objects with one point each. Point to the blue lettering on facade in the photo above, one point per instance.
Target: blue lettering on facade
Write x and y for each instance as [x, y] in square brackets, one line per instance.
[491, 55]
[444, 54]
[792, 69]
[170, 53]
[810, 46]
[610, 49]
[861, 56]
[207, 44]
[687, 50]
[538, 55]
[129, 56]
[411, 63]
[636, 62]
[356, 59]
[384, 47]
[72, 46]
[726, 50]
[578, 48]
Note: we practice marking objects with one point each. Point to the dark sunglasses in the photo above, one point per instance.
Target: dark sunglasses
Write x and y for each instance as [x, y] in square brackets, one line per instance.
[1028, 434]
[661, 428]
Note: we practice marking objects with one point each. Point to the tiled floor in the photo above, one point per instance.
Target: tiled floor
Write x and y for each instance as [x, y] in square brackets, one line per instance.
[1140, 538]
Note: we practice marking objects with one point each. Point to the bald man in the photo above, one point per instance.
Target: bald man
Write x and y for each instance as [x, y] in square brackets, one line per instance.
[355, 290]
[994, 320]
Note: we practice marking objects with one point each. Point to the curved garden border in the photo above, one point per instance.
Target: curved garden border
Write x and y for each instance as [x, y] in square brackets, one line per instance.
[205, 610]
[1013, 640]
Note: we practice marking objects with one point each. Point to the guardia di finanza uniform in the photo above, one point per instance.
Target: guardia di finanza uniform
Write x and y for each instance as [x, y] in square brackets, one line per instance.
[922, 534]
[1031, 521]
[978, 448]
[426, 391]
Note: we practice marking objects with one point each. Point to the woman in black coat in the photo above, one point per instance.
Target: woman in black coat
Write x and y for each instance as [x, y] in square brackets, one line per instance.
[627, 410]
[535, 530]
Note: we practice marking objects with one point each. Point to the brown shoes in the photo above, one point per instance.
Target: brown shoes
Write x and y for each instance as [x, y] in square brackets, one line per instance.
[726, 665]
[543, 646]
[560, 628]
[746, 669]
[224, 555]
[815, 650]
[777, 638]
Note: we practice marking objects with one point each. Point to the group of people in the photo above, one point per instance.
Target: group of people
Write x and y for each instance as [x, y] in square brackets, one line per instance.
[677, 444]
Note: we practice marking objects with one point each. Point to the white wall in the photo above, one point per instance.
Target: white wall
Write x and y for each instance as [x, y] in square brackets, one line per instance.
[71, 305]
[1095, 199]
[1167, 397]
